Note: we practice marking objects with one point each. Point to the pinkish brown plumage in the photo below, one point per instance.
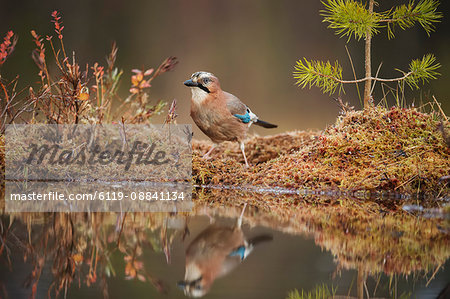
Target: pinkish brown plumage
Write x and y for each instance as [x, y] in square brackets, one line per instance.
[214, 253]
[219, 114]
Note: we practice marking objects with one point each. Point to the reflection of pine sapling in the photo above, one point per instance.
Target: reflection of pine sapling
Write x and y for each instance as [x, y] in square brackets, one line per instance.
[352, 18]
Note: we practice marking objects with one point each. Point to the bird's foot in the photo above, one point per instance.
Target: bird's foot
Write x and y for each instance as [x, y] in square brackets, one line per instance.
[206, 156]
[211, 218]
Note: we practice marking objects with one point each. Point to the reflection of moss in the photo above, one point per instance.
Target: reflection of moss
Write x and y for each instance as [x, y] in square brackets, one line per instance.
[377, 149]
[319, 292]
[322, 292]
[361, 235]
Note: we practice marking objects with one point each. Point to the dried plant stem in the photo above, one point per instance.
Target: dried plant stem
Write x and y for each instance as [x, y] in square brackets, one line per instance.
[354, 73]
[121, 229]
[6, 98]
[376, 75]
[6, 93]
[56, 56]
[433, 275]
[440, 109]
[62, 47]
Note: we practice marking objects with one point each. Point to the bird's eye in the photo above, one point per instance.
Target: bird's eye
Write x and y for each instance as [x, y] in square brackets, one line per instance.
[206, 80]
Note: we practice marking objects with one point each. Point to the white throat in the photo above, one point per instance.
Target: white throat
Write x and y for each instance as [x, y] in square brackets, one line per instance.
[192, 273]
[198, 95]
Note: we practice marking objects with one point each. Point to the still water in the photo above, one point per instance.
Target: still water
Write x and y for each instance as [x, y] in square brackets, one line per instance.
[230, 246]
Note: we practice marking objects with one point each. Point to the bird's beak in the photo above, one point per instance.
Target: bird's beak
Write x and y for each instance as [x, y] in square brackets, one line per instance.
[190, 83]
[181, 284]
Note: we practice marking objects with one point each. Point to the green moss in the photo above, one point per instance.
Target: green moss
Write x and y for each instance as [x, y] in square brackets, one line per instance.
[319, 292]
[395, 149]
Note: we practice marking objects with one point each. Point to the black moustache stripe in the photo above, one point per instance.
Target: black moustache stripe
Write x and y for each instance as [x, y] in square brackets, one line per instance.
[194, 282]
[204, 88]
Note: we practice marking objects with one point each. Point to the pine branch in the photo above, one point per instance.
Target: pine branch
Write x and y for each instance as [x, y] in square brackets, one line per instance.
[422, 70]
[351, 18]
[405, 16]
[328, 77]
[324, 75]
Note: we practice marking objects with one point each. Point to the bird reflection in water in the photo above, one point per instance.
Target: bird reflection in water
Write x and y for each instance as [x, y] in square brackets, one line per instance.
[215, 252]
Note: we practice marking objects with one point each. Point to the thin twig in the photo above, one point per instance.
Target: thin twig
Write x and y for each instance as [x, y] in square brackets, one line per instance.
[376, 75]
[440, 109]
[408, 181]
[434, 274]
[365, 79]
[367, 290]
[354, 73]
[121, 229]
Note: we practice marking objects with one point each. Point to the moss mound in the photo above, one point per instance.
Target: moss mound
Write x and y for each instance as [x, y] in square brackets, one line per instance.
[395, 149]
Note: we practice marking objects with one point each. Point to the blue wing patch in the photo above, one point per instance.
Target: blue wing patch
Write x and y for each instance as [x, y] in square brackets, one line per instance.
[244, 118]
[240, 251]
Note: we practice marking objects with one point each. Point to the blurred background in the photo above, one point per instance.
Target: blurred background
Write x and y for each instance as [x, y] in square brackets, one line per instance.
[251, 46]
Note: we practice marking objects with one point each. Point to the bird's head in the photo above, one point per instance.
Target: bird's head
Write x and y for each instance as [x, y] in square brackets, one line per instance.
[204, 82]
[192, 288]
[194, 283]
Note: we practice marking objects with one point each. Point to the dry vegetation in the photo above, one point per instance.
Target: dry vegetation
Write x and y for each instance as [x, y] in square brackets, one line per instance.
[397, 149]
[73, 93]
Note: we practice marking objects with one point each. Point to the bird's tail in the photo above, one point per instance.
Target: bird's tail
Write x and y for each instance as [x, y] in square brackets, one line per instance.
[244, 251]
[265, 124]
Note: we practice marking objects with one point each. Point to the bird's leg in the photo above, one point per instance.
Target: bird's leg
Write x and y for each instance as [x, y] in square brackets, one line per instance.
[243, 153]
[211, 218]
[206, 156]
[239, 222]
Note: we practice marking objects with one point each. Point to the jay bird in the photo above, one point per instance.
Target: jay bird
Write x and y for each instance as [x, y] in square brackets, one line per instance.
[215, 252]
[219, 114]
